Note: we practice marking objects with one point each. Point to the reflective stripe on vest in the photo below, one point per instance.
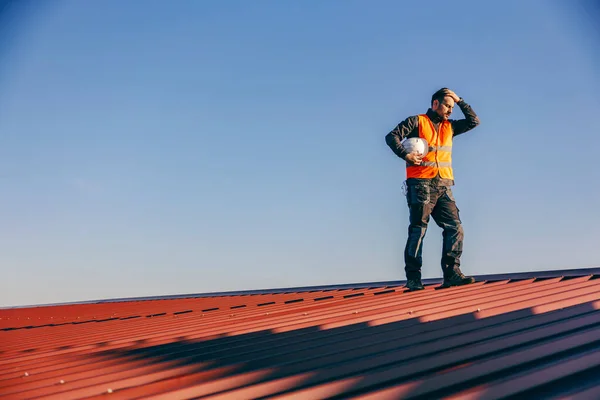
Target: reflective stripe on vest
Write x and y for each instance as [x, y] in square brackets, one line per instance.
[441, 148]
[439, 158]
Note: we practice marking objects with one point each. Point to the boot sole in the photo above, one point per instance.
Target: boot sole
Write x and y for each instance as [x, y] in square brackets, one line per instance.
[447, 285]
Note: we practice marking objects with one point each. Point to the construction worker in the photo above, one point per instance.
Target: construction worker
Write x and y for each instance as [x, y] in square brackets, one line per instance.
[428, 185]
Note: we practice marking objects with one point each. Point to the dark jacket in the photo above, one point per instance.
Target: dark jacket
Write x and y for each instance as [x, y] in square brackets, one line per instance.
[410, 128]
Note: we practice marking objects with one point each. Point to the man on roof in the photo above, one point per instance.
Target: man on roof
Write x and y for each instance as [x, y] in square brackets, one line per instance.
[424, 142]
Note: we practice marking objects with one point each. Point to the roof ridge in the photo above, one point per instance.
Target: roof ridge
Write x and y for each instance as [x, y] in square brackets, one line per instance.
[486, 277]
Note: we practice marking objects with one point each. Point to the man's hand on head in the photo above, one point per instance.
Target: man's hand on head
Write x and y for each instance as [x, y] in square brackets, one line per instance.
[450, 93]
[414, 158]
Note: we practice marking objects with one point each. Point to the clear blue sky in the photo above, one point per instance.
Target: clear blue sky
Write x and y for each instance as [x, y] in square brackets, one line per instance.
[155, 148]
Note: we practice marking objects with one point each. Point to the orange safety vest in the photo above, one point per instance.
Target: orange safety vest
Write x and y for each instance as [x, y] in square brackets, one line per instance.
[439, 158]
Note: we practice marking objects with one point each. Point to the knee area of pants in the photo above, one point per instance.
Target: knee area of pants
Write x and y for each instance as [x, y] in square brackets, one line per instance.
[455, 225]
[418, 229]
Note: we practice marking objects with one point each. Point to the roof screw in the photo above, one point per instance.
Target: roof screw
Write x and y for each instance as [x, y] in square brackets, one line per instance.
[109, 390]
[410, 311]
[26, 374]
[61, 382]
[355, 312]
[479, 309]
[305, 313]
[266, 313]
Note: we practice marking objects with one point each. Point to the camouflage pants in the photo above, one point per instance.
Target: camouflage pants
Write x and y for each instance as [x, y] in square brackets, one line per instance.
[438, 202]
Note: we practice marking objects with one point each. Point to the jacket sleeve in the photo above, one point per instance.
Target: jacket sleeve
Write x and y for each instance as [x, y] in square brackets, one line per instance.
[470, 121]
[399, 133]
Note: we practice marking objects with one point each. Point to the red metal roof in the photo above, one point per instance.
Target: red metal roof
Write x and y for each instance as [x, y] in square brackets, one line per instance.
[535, 335]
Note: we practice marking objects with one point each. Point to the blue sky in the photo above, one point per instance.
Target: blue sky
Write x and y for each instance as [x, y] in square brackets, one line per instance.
[154, 148]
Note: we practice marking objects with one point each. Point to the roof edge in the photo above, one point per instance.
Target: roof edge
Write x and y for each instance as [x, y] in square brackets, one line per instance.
[429, 281]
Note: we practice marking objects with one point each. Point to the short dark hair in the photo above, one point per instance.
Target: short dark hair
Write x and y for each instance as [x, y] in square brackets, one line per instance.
[439, 95]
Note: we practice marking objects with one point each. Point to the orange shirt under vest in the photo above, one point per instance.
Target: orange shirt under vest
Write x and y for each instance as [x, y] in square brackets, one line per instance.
[439, 158]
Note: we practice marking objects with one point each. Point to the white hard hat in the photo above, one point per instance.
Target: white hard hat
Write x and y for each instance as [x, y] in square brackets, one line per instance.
[416, 144]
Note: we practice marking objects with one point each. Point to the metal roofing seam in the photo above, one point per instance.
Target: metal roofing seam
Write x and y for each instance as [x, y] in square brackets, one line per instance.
[126, 390]
[226, 316]
[33, 388]
[97, 328]
[546, 374]
[53, 373]
[542, 296]
[67, 314]
[451, 305]
[592, 392]
[394, 300]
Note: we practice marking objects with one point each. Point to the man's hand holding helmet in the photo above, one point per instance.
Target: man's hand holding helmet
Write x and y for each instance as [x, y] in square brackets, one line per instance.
[417, 148]
[414, 158]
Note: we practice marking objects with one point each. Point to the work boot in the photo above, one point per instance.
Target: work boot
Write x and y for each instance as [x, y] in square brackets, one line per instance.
[414, 284]
[456, 278]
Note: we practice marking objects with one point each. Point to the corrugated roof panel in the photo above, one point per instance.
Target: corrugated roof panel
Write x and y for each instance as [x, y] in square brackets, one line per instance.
[507, 335]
